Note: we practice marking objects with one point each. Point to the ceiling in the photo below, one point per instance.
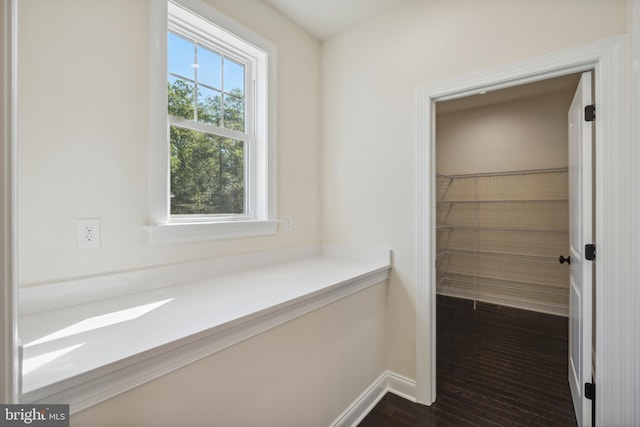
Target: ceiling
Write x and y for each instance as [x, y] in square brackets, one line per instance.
[326, 18]
[543, 87]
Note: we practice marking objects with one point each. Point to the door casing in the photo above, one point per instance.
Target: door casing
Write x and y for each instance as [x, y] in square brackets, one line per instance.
[607, 58]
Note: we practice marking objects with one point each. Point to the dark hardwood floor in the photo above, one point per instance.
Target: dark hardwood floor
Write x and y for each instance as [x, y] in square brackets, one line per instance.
[496, 366]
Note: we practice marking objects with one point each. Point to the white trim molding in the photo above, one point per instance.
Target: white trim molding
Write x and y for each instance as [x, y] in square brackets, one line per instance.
[388, 382]
[192, 232]
[9, 372]
[613, 184]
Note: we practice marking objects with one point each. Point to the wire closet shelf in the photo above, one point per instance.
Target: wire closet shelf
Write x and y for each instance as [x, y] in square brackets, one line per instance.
[498, 237]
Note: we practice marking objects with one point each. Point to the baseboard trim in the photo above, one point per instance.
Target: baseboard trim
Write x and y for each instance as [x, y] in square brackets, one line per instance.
[387, 382]
[524, 304]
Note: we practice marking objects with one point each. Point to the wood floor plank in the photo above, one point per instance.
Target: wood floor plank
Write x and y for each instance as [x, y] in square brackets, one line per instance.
[496, 366]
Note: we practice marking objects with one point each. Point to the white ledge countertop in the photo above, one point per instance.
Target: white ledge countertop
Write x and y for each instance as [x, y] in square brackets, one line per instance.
[67, 342]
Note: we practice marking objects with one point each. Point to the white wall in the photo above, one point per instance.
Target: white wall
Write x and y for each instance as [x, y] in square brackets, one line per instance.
[370, 76]
[83, 152]
[83, 136]
[634, 341]
[5, 290]
[529, 133]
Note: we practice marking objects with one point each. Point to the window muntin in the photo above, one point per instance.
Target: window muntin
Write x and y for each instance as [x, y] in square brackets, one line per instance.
[215, 82]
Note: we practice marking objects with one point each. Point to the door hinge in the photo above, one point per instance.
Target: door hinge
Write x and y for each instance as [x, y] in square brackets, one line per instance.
[589, 113]
[590, 391]
[590, 252]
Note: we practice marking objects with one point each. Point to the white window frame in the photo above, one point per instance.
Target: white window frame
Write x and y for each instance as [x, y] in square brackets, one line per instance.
[260, 217]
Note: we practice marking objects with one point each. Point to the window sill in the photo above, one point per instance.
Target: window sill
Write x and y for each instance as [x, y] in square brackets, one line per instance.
[199, 232]
[85, 353]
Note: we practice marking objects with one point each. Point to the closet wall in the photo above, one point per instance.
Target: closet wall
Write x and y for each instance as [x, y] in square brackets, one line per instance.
[502, 202]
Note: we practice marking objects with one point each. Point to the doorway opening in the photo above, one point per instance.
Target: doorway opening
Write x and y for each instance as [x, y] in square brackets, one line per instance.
[502, 199]
[502, 220]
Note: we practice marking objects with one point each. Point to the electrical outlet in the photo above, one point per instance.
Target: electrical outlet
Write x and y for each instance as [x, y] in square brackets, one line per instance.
[288, 223]
[88, 233]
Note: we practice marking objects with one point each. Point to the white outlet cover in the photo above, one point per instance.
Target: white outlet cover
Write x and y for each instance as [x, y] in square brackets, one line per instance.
[88, 233]
[288, 223]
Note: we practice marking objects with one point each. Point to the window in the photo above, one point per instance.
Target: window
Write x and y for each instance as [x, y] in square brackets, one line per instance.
[206, 101]
[213, 144]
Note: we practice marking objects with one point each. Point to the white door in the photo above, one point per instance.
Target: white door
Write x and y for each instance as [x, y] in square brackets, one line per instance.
[580, 234]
